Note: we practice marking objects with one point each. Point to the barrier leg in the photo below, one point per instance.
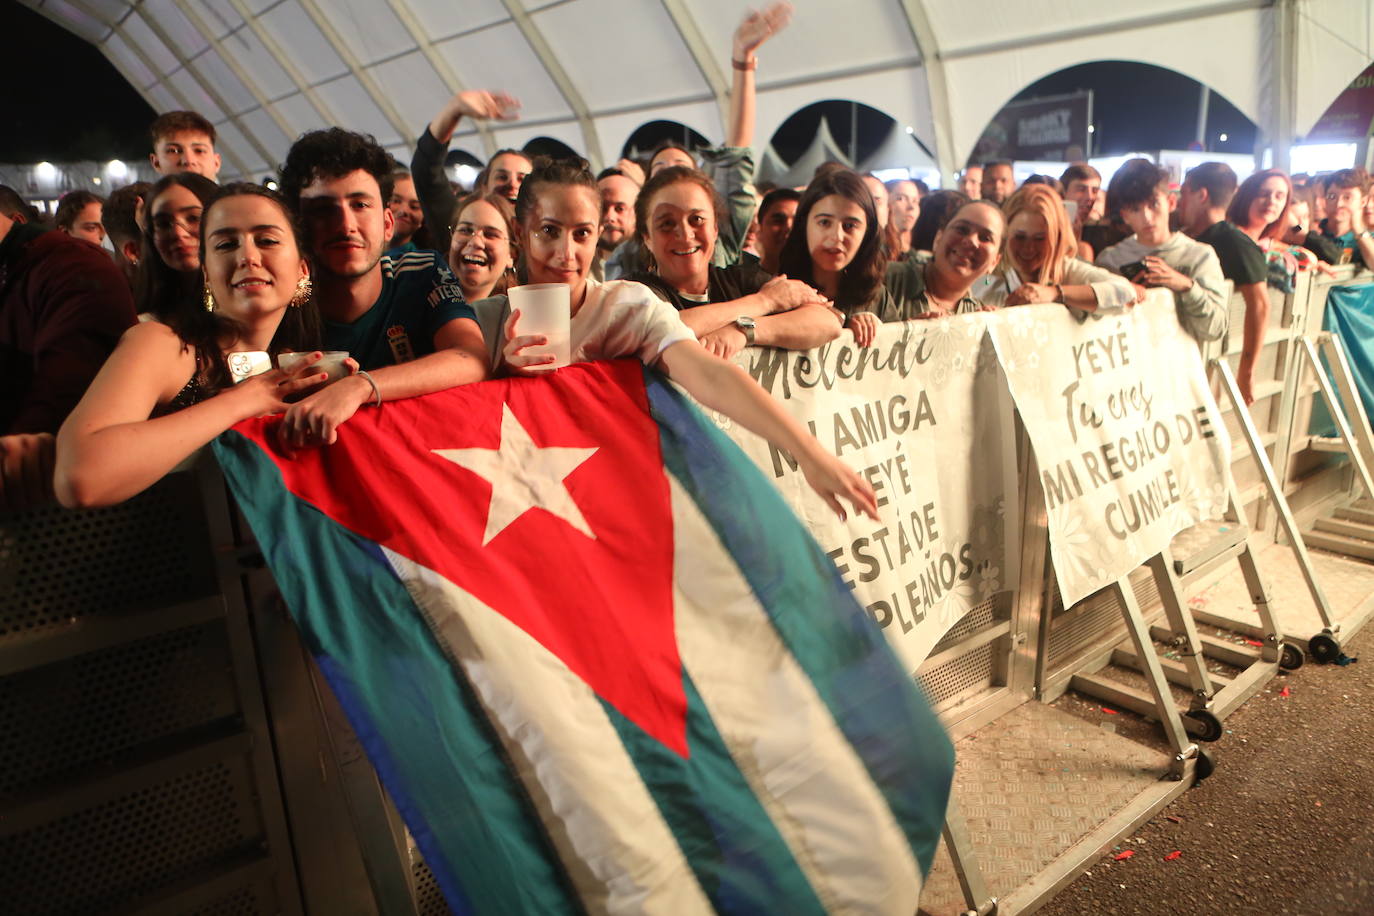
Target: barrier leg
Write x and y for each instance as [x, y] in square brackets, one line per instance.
[1280, 502]
[1333, 406]
[1190, 646]
[960, 847]
[1165, 709]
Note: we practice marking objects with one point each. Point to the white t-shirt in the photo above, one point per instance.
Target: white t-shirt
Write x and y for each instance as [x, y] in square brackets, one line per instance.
[619, 318]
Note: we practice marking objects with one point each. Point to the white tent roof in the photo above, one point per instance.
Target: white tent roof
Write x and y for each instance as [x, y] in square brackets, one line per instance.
[264, 71]
[822, 149]
[897, 151]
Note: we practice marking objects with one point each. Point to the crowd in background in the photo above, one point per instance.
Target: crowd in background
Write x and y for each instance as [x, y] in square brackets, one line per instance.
[117, 368]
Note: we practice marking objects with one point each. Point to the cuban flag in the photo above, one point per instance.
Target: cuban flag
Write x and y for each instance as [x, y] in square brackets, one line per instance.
[597, 662]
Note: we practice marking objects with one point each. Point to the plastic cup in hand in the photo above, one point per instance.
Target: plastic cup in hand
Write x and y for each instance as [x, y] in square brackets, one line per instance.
[545, 308]
[332, 363]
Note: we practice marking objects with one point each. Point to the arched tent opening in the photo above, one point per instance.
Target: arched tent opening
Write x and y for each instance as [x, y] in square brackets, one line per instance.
[1097, 111]
[641, 143]
[551, 147]
[857, 135]
[1341, 136]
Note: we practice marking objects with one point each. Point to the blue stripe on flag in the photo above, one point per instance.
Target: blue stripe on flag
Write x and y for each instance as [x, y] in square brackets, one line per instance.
[412, 709]
[740, 859]
[873, 700]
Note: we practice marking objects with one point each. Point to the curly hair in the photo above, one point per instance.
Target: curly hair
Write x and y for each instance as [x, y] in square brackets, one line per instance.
[333, 153]
[861, 280]
[201, 330]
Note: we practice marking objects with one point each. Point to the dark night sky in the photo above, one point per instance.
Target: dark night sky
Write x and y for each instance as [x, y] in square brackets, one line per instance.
[73, 103]
[1136, 106]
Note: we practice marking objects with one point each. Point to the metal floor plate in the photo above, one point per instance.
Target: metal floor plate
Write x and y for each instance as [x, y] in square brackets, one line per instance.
[1031, 785]
[1347, 583]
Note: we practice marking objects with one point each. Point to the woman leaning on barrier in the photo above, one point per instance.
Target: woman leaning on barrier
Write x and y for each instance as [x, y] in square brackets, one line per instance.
[166, 390]
[836, 246]
[677, 217]
[1038, 262]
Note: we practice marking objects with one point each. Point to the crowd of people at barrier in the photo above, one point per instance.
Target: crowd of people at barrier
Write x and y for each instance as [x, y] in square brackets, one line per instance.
[116, 369]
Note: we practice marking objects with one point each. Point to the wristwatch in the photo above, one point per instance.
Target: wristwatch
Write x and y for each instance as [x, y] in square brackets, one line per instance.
[746, 324]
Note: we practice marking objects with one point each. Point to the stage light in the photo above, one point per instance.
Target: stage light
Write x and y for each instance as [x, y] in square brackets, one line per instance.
[45, 171]
[117, 170]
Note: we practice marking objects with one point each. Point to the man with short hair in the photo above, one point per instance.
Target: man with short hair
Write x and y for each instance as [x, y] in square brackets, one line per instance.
[618, 195]
[406, 213]
[403, 321]
[971, 182]
[79, 214]
[63, 306]
[1345, 223]
[184, 141]
[1206, 193]
[121, 223]
[776, 212]
[998, 182]
[15, 207]
[1155, 255]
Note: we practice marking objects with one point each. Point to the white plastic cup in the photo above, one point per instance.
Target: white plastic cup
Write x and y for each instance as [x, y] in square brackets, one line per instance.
[545, 308]
[331, 363]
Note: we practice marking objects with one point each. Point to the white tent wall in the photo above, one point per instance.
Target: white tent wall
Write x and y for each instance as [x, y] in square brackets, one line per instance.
[266, 70]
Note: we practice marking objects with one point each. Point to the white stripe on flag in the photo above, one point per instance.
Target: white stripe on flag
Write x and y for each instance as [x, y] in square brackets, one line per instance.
[605, 825]
[781, 734]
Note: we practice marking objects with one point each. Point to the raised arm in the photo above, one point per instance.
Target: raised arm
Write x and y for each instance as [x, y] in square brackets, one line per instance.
[727, 388]
[427, 165]
[758, 26]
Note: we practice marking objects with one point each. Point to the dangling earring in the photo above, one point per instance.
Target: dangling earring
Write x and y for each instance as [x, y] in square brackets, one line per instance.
[209, 299]
[302, 293]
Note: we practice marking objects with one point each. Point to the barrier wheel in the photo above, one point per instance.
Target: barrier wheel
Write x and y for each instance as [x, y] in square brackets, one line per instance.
[1207, 727]
[1290, 658]
[1324, 648]
[1206, 763]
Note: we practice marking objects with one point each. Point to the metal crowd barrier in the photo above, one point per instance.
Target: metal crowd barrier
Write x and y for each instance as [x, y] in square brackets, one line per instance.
[168, 747]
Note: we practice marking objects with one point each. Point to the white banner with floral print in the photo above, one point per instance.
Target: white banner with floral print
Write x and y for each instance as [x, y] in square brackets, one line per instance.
[1129, 443]
[924, 415]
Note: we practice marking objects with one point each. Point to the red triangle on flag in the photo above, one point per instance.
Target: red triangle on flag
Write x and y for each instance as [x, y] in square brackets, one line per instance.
[597, 594]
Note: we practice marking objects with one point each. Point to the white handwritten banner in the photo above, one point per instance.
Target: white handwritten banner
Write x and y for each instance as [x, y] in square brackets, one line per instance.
[924, 416]
[1130, 446]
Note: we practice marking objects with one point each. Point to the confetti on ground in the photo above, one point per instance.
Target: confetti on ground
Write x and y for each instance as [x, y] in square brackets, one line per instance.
[1255, 642]
[1346, 660]
[1173, 855]
[1176, 820]
[1125, 854]
[1109, 711]
[1285, 692]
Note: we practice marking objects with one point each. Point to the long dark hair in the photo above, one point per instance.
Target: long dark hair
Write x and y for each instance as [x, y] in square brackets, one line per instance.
[859, 281]
[202, 330]
[159, 288]
[1249, 191]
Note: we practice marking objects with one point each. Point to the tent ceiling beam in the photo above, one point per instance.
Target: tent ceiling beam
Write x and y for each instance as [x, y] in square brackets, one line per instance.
[355, 66]
[1173, 17]
[590, 141]
[441, 66]
[231, 61]
[701, 53]
[941, 112]
[269, 41]
[220, 101]
[152, 68]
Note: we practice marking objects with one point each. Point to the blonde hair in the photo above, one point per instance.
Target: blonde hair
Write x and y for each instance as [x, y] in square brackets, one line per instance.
[1043, 201]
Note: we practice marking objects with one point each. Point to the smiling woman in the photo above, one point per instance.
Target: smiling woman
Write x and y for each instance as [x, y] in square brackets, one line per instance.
[166, 390]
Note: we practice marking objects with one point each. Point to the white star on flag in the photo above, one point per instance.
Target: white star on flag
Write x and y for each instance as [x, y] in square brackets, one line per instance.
[523, 476]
